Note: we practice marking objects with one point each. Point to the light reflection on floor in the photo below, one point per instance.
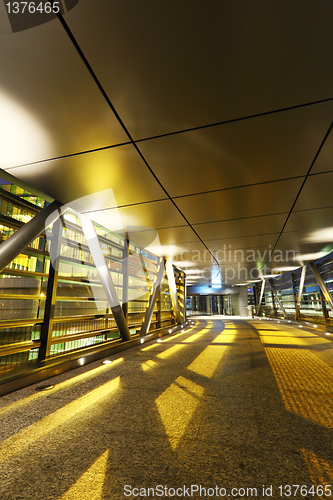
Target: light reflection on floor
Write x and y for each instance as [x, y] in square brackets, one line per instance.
[302, 378]
[176, 406]
[91, 484]
[30, 434]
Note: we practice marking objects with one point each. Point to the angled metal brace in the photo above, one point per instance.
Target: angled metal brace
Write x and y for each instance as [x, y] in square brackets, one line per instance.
[50, 301]
[173, 290]
[21, 239]
[125, 268]
[152, 300]
[270, 281]
[321, 283]
[105, 277]
[293, 287]
[261, 296]
[300, 293]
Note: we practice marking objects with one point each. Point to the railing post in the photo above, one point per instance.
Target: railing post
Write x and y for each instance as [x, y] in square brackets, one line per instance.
[104, 275]
[125, 269]
[300, 293]
[152, 299]
[321, 283]
[261, 296]
[293, 287]
[273, 302]
[173, 291]
[270, 281]
[50, 301]
[324, 308]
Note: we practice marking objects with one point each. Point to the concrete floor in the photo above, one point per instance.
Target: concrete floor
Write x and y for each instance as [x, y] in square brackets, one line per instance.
[228, 403]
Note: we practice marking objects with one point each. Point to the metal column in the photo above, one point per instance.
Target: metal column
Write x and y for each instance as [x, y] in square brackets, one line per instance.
[300, 293]
[125, 269]
[324, 308]
[261, 296]
[21, 239]
[273, 304]
[321, 283]
[270, 281]
[152, 300]
[105, 277]
[173, 290]
[293, 287]
[50, 301]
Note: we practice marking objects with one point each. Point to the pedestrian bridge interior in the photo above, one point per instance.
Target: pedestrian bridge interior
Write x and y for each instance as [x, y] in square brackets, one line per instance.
[166, 249]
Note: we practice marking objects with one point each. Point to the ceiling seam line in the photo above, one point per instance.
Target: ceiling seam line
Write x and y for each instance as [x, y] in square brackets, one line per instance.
[209, 192]
[100, 87]
[234, 120]
[300, 190]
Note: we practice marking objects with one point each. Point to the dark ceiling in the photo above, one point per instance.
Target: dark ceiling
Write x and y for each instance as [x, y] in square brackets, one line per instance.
[210, 121]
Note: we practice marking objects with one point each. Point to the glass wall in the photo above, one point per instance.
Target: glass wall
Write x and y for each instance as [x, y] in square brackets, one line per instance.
[313, 305]
[81, 315]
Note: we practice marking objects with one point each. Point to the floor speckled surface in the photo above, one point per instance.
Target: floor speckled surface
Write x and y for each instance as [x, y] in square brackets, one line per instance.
[228, 403]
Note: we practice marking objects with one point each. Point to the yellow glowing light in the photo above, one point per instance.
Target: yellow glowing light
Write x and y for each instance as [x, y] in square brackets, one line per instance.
[62, 385]
[169, 352]
[207, 362]
[304, 381]
[27, 436]
[176, 406]
[174, 336]
[90, 485]
[149, 347]
[194, 337]
[226, 338]
[147, 365]
[23, 138]
[293, 338]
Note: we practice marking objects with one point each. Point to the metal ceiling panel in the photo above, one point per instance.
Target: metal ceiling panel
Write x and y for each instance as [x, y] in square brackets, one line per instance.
[47, 95]
[235, 228]
[152, 215]
[258, 150]
[317, 192]
[166, 67]
[310, 220]
[244, 202]
[120, 169]
[172, 65]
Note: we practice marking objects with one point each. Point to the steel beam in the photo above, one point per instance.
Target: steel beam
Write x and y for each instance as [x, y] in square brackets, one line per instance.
[273, 303]
[270, 281]
[173, 291]
[125, 269]
[261, 296]
[152, 299]
[104, 275]
[321, 283]
[300, 293]
[50, 301]
[324, 308]
[293, 287]
[21, 239]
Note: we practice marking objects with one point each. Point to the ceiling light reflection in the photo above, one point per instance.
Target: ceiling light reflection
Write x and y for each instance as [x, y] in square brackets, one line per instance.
[23, 138]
